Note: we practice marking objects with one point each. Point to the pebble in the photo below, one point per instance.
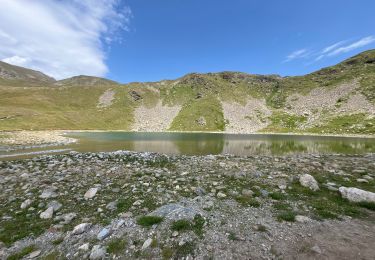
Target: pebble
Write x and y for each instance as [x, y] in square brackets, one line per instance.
[147, 243]
[81, 228]
[91, 193]
[47, 214]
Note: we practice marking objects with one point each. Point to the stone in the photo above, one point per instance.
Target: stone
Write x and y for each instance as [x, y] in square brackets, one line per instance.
[302, 219]
[98, 252]
[91, 193]
[47, 214]
[362, 180]
[221, 195]
[308, 181]
[357, 195]
[55, 205]
[85, 247]
[200, 191]
[175, 212]
[26, 204]
[48, 193]
[175, 234]
[112, 206]
[81, 228]
[316, 249]
[147, 243]
[34, 254]
[104, 233]
[247, 193]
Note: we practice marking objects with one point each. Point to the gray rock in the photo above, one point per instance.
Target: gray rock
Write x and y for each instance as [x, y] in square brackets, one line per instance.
[55, 205]
[98, 252]
[147, 243]
[112, 206]
[48, 193]
[247, 193]
[176, 211]
[221, 195]
[34, 254]
[357, 195]
[91, 193]
[85, 247]
[308, 181]
[302, 219]
[26, 204]
[81, 228]
[47, 214]
[104, 233]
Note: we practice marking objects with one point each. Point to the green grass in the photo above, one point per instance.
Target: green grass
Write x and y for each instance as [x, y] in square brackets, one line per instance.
[289, 216]
[148, 221]
[25, 251]
[198, 225]
[208, 108]
[354, 124]
[367, 205]
[116, 246]
[181, 225]
[57, 241]
[283, 122]
[248, 202]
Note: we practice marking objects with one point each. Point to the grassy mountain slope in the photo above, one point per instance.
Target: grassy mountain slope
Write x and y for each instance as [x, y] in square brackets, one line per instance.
[338, 99]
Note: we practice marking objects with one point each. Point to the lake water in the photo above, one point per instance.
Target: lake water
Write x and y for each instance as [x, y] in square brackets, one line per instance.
[201, 144]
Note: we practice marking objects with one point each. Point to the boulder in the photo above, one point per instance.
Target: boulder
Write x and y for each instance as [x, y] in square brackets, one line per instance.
[357, 195]
[91, 193]
[308, 181]
[47, 214]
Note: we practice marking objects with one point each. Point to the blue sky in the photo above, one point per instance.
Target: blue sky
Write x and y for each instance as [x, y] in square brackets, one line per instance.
[150, 40]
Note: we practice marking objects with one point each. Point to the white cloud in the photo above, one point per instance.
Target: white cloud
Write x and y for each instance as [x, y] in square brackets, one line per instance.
[60, 38]
[302, 53]
[358, 44]
[332, 47]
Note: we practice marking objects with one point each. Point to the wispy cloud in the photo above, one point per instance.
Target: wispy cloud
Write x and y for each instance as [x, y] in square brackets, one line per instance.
[298, 54]
[358, 44]
[332, 47]
[331, 50]
[61, 38]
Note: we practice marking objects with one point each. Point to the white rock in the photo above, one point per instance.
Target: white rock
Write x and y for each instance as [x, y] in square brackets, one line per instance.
[81, 228]
[26, 203]
[34, 254]
[357, 195]
[147, 243]
[47, 214]
[221, 195]
[91, 193]
[308, 181]
[98, 252]
[84, 247]
[302, 219]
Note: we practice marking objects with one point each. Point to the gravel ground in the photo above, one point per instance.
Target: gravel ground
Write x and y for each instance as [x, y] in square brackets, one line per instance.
[153, 206]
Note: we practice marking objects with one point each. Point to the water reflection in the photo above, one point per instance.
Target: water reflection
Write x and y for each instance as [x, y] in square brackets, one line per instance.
[208, 143]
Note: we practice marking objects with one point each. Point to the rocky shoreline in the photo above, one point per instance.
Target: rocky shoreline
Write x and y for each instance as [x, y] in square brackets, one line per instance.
[126, 205]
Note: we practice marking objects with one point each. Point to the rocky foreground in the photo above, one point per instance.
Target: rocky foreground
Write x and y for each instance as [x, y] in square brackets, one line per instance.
[126, 205]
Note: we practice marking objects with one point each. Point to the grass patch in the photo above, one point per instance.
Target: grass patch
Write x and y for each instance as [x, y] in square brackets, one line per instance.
[57, 241]
[367, 205]
[25, 251]
[289, 216]
[116, 246]
[181, 225]
[148, 221]
[198, 225]
[248, 202]
[277, 195]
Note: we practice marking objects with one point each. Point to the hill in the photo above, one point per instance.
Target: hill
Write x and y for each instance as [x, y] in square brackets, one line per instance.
[338, 99]
[14, 75]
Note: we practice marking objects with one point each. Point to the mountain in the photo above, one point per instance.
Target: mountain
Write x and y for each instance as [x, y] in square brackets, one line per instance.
[83, 80]
[13, 75]
[336, 100]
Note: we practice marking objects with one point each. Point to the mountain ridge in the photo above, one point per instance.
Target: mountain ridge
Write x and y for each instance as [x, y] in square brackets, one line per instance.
[339, 99]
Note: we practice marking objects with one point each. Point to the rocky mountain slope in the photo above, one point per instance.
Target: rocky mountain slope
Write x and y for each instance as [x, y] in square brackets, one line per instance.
[338, 99]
